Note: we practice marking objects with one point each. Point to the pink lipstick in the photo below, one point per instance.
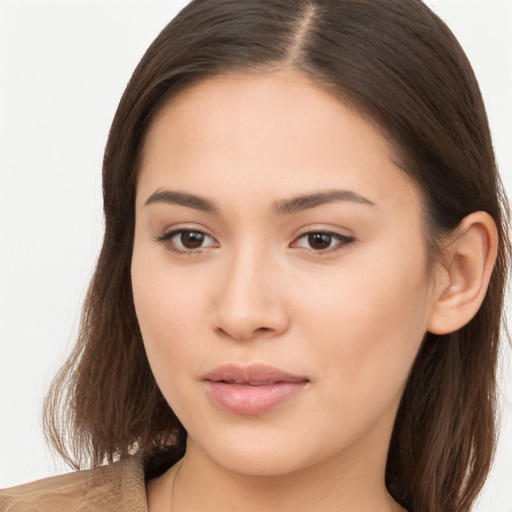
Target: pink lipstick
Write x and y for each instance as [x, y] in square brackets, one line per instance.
[253, 389]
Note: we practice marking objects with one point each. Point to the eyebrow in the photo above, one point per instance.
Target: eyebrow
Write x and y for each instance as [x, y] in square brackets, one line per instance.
[306, 202]
[283, 207]
[183, 199]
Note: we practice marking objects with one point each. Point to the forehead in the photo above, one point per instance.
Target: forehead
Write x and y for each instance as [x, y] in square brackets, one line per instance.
[252, 130]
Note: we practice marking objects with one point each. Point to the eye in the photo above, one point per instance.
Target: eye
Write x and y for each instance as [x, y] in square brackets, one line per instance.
[187, 241]
[322, 241]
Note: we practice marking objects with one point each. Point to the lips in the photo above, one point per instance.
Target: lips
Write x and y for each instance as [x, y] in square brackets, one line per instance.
[253, 389]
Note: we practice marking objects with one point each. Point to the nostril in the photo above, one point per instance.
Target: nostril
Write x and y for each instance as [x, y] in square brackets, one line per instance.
[243, 334]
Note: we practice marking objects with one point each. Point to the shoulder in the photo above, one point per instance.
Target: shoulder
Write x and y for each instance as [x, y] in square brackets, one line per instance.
[117, 487]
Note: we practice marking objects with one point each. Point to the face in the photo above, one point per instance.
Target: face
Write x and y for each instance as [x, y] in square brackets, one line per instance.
[279, 274]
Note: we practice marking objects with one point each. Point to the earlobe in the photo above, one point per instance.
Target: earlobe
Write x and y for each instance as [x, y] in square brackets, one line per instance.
[468, 262]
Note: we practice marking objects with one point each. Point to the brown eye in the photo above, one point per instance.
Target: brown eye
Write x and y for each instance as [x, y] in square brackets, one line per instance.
[187, 241]
[322, 241]
[192, 239]
[319, 241]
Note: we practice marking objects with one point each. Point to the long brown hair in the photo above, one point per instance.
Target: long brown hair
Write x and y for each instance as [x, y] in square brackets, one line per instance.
[400, 66]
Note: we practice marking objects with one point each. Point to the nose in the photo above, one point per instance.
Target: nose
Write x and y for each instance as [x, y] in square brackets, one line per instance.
[251, 300]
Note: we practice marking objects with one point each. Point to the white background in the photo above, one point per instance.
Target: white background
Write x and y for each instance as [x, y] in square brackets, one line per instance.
[63, 67]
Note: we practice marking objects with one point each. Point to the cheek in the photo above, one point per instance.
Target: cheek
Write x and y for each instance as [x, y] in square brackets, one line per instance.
[164, 308]
[166, 296]
[168, 304]
[366, 327]
[168, 310]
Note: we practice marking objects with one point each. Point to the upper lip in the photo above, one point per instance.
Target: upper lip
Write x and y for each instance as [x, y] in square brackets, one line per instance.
[253, 373]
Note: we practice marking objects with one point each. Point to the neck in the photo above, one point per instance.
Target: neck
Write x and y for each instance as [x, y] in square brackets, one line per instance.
[351, 484]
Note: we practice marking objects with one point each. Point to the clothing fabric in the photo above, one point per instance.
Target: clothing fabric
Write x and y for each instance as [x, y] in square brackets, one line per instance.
[116, 487]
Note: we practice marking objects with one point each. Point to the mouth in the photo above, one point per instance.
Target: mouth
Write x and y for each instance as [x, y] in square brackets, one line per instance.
[253, 389]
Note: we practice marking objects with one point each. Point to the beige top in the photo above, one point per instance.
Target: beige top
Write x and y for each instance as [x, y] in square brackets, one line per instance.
[117, 487]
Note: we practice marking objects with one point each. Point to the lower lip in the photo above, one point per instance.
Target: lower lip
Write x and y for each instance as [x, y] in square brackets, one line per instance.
[247, 399]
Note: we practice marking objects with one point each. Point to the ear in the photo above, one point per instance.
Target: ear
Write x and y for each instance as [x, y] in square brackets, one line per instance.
[463, 277]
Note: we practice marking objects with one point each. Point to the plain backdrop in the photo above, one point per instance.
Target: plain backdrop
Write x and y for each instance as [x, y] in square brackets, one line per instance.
[63, 68]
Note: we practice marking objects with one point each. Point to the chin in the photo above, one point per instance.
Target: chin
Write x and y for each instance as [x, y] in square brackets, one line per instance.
[261, 452]
[258, 461]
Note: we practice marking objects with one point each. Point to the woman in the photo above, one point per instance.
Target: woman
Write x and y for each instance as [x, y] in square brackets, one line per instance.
[300, 288]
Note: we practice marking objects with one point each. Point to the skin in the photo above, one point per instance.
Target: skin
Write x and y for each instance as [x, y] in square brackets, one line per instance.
[350, 318]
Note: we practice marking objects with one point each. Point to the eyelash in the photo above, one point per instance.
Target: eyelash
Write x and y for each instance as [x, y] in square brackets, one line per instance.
[166, 240]
[342, 241]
